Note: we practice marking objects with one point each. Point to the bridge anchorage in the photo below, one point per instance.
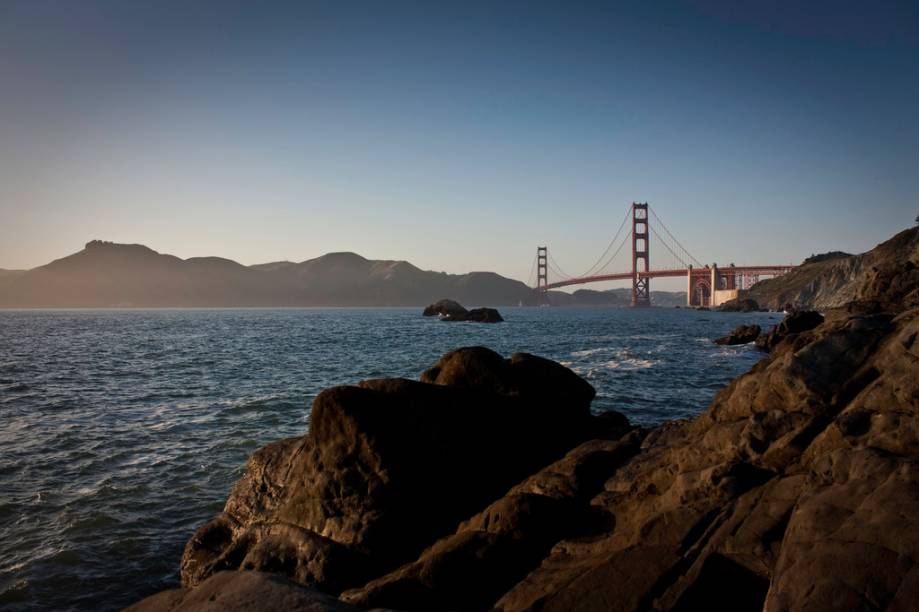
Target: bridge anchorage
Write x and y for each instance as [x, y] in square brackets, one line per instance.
[706, 285]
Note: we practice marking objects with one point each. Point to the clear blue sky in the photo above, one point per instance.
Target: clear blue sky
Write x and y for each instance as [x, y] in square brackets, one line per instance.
[456, 137]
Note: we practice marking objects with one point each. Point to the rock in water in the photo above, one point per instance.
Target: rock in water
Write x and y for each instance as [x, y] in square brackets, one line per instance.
[445, 308]
[449, 310]
[390, 466]
[484, 315]
[740, 305]
[742, 334]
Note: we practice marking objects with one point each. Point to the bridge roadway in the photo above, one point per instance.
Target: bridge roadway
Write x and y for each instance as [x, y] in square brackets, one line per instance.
[675, 272]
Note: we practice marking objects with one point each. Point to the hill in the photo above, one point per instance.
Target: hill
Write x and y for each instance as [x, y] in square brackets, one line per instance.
[615, 298]
[885, 273]
[107, 274]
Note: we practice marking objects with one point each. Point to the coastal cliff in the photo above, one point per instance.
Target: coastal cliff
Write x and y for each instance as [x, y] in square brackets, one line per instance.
[489, 484]
[888, 272]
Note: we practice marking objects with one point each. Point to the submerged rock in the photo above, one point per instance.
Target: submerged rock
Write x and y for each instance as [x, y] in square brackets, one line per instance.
[742, 334]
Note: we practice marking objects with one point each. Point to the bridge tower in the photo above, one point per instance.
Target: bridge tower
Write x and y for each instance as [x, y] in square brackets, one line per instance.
[641, 286]
[542, 276]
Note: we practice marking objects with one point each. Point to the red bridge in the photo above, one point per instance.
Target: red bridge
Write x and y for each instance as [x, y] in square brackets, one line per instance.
[705, 285]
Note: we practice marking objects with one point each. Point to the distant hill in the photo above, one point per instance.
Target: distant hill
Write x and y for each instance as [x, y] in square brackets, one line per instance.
[886, 273]
[107, 274]
[616, 298]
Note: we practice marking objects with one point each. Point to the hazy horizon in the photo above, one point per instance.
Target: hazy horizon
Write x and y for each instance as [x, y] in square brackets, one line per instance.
[456, 138]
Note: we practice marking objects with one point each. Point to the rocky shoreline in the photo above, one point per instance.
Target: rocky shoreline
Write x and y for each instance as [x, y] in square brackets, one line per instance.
[489, 484]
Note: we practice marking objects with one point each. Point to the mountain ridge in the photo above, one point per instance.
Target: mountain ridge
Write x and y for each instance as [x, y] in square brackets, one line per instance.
[109, 274]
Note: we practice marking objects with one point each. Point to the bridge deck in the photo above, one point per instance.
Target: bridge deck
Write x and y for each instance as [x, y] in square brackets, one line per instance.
[678, 272]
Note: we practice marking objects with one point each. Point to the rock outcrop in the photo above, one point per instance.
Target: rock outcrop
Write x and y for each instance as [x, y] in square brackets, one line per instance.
[742, 334]
[391, 465]
[449, 310]
[887, 276]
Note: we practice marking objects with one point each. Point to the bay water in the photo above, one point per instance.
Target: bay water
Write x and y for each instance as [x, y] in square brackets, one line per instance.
[122, 431]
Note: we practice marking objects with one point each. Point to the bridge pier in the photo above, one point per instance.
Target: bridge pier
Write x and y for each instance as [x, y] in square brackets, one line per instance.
[542, 276]
[689, 286]
[641, 285]
[723, 287]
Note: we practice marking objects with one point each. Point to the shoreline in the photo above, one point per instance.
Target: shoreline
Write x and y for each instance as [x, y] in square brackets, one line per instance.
[661, 506]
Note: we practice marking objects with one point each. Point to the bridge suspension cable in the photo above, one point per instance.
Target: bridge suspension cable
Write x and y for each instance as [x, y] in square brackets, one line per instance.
[531, 279]
[677, 260]
[594, 268]
[675, 241]
[554, 267]
[625, 240]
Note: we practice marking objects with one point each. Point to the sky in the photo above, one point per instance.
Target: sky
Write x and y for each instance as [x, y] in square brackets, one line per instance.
[457, 136]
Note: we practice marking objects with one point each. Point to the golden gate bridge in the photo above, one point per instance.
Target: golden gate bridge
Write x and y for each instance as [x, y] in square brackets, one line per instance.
[706, 285]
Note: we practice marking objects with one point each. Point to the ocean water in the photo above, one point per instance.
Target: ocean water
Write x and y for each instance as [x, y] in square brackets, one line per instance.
[121, 432]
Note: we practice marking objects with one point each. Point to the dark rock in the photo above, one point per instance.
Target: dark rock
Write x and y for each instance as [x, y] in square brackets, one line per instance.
[242, 592]
[793, 324]
[740, 305]
[390, 466]
[742, 334]
[612, 419]
[484, 315]
[445, 308]
[498, 547]
[448, 310]
[765, 491]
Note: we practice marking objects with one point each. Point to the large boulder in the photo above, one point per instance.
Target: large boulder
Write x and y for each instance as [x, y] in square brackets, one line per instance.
[391, 465]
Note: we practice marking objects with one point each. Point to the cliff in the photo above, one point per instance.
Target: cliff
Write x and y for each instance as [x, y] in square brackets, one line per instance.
[887, 273]
[106, 274]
